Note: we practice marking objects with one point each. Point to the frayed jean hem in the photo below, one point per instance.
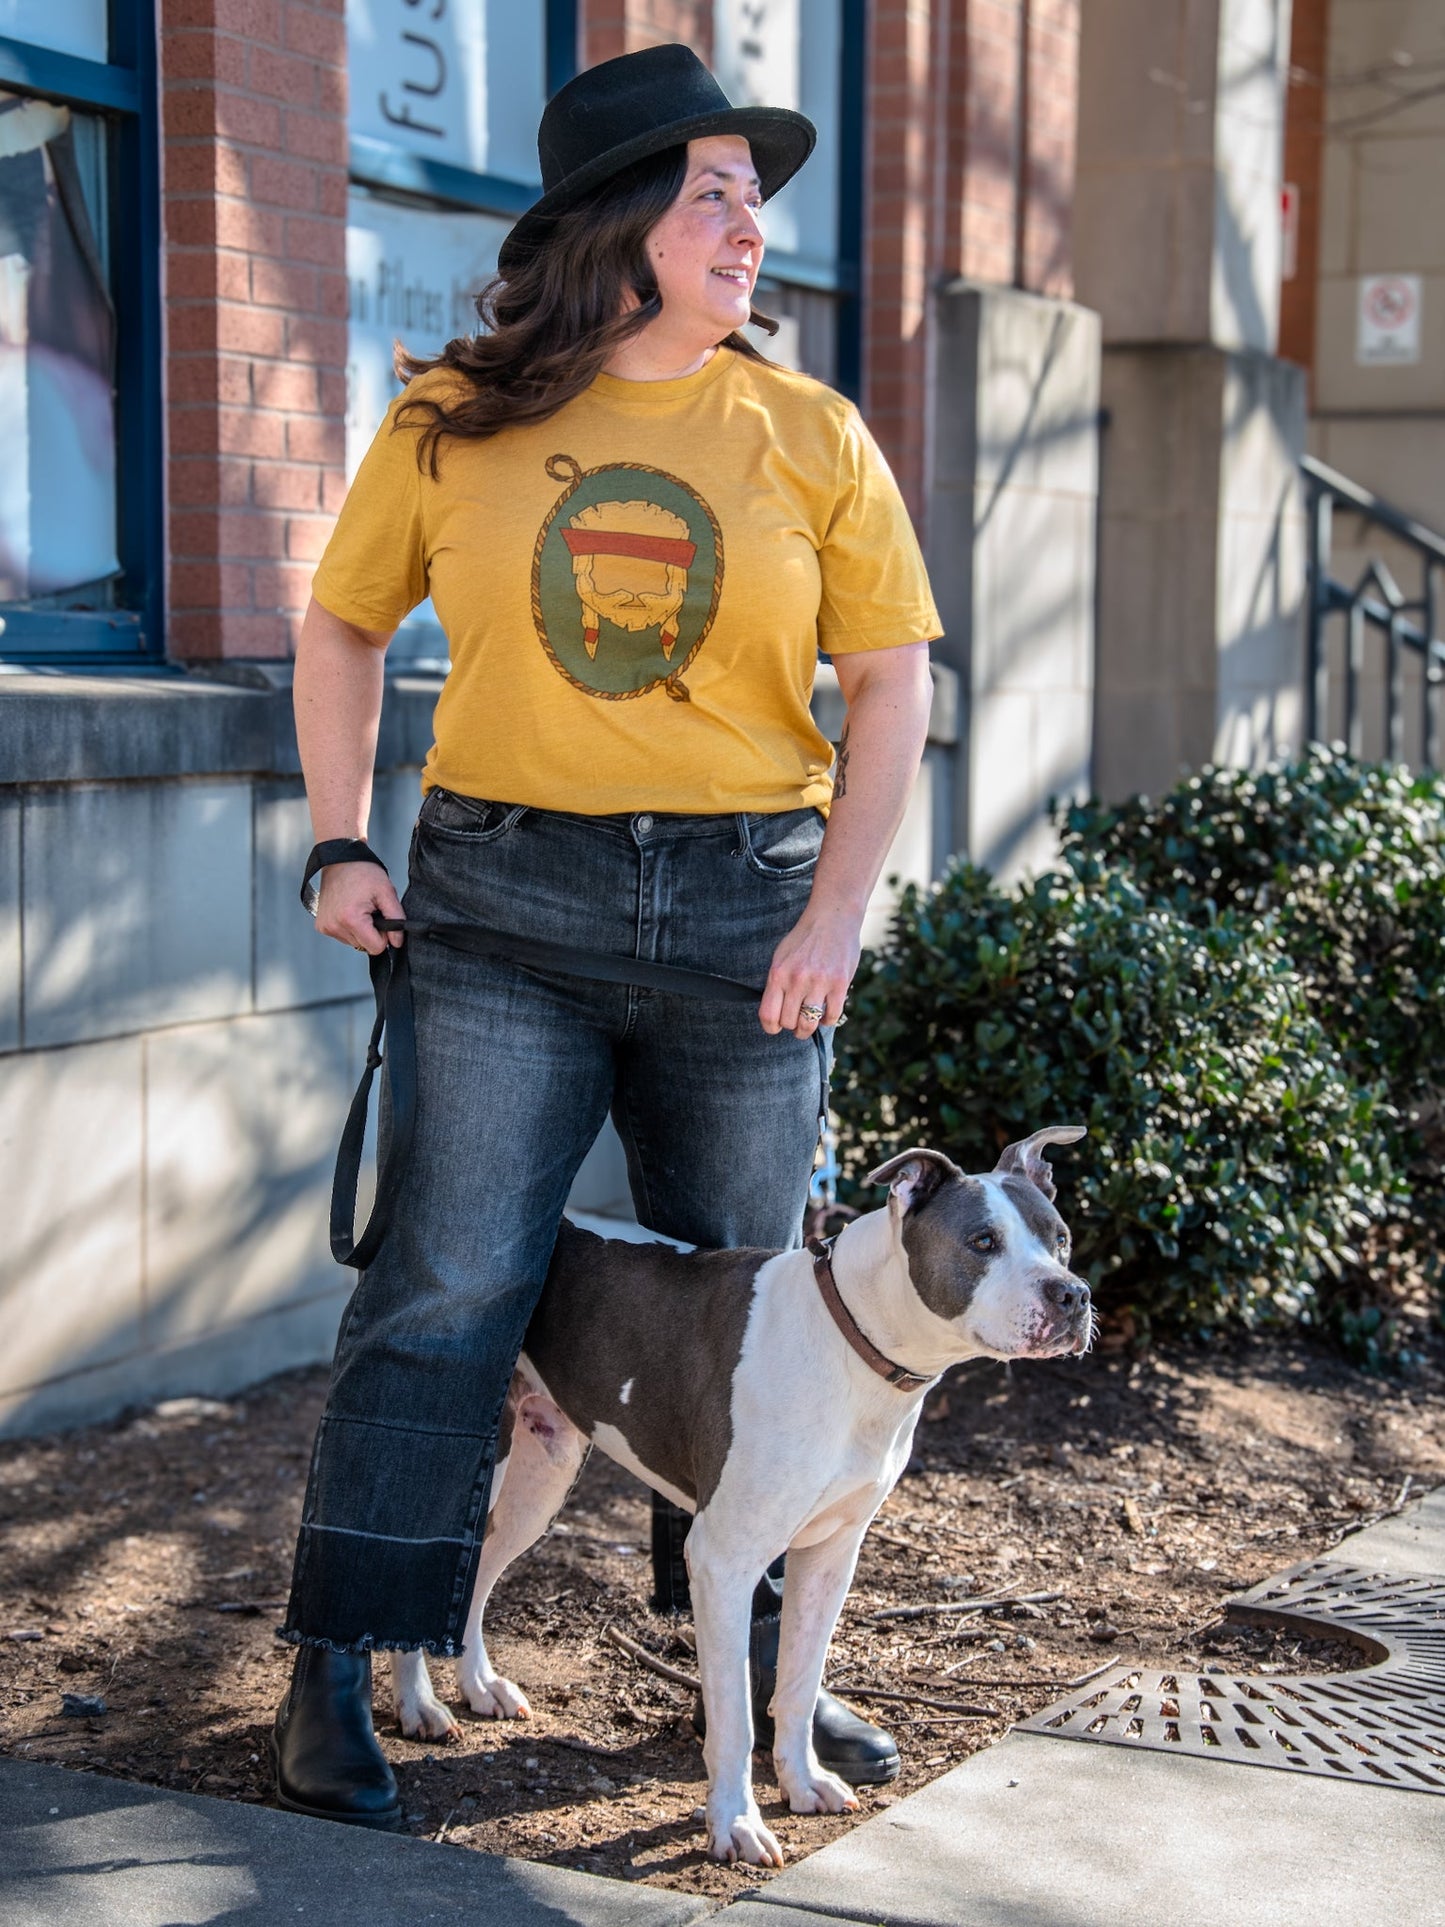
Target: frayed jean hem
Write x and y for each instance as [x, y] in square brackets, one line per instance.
[438, 1648]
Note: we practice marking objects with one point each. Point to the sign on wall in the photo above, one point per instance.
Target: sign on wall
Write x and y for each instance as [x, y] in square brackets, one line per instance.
[453, 80]
[1389, 321]
[65, 26]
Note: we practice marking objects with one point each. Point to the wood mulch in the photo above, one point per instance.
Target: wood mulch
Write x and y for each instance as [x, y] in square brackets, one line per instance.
[146, 1561]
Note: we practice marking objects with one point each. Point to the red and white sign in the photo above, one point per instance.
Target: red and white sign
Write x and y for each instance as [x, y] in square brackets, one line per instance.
[1389, 321]
[1289, 231]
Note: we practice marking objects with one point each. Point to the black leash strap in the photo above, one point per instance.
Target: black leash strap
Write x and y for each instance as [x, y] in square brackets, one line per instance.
[391, 987]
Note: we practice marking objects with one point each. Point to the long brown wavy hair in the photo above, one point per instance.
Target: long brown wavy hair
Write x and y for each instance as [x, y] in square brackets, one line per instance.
[551, 325]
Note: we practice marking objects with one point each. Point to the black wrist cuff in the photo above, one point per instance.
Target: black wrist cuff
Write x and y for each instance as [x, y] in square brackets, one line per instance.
[338, 849]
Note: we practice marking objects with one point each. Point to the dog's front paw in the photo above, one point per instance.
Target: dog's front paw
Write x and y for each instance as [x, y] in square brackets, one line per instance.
[742, 1836]
[495, 1698]
[815, 1790]
[421, 1715]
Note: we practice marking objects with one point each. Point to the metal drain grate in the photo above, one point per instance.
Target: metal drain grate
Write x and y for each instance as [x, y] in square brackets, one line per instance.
[1385, 1725]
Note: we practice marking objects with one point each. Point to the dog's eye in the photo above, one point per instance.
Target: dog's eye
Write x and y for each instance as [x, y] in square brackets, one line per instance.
[985, 1241]
[1062, 1241]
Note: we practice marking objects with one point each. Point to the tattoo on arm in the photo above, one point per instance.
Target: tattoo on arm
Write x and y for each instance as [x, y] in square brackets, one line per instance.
[840, 767]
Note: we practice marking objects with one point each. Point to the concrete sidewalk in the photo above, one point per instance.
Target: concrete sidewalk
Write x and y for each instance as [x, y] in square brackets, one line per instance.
[1036, 1831]
[80, 1851]
[1044, 1832]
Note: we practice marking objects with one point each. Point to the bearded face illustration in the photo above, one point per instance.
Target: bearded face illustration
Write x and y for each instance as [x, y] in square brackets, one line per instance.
[629, 563]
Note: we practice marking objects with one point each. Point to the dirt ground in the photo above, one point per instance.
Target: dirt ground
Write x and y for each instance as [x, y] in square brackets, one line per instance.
[1118, 1502]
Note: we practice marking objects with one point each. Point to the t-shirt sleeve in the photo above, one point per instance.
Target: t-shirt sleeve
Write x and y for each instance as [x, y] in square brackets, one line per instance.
[875, 587]
[374, 569]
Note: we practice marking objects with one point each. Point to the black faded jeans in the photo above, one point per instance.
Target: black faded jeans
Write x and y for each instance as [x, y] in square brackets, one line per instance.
[517, 1070]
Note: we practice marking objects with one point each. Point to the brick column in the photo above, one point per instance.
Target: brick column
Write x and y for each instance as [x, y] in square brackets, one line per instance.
[900, 244]
[612, 27]
[1046, 233]
[1304, 130]
[255, 146]
[970, 175]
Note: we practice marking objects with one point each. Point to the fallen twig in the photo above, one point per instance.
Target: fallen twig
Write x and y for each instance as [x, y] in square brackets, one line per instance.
[1018, 1679]
[966, 1606]
[916, 1699]
[1098, 1673]
[950, 1719]
[578, 1745]
[645, 1658]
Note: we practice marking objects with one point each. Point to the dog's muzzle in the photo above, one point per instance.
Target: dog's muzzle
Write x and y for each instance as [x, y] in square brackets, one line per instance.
[1067, 1324]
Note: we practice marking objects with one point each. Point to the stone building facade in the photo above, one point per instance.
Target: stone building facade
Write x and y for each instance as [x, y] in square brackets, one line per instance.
[995, 251]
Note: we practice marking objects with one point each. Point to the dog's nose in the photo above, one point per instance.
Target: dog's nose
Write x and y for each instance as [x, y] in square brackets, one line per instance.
[1069, 1295]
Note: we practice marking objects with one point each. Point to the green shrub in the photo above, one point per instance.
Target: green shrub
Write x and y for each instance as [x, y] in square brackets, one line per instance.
[1348, 859]
[1232, 1163]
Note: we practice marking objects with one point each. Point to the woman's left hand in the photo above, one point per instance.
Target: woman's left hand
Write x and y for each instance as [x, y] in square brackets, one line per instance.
[814, 964]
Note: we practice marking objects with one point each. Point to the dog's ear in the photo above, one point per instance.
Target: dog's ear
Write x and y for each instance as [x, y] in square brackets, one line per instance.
[1026, 1158]
[913, 1176]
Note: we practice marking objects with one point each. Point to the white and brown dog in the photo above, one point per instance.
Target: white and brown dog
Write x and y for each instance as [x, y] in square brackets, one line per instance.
[728, 1381]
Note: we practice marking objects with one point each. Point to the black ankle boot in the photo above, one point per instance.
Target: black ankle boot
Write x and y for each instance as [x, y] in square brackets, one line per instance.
[328, 1764]
[852, 1747]
[670, 1527]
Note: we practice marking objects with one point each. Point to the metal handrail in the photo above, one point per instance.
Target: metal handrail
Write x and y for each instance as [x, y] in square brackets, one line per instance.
[1377, 602]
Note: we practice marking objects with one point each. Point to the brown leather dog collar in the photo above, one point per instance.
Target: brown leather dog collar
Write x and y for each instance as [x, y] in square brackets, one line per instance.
[898, 1375]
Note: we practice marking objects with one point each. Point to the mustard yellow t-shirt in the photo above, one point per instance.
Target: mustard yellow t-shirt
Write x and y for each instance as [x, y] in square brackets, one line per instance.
[635, 593]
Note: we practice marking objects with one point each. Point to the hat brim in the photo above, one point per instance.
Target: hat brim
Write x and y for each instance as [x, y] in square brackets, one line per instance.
[780, 139]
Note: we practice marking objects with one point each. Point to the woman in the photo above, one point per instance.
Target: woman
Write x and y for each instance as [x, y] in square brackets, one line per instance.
[637, 535]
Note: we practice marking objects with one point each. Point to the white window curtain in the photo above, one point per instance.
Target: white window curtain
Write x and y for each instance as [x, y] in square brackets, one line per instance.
[57, 351]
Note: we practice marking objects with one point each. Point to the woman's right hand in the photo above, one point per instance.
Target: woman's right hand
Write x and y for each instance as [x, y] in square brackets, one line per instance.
[350, 894]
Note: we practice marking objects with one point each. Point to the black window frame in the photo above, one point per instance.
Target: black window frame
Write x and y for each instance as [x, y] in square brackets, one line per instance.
[123, 90]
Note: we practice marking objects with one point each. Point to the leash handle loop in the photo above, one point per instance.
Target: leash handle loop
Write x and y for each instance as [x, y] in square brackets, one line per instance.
[336, 849]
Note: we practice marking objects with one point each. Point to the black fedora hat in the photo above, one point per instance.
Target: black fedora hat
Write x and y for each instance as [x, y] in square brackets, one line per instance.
[639, 104]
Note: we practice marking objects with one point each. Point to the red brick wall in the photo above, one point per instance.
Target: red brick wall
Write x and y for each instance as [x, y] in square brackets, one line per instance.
[1053, 113]
[900, 238]
[254, 118]
[612, 27]
[981, 233]
[1303, 164]
[970, 172]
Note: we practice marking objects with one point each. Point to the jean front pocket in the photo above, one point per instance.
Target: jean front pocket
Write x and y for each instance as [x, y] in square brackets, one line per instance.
[782, 845]
[468, 819]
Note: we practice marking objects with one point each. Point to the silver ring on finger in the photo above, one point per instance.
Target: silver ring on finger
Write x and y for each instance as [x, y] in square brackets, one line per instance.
[814, 1013]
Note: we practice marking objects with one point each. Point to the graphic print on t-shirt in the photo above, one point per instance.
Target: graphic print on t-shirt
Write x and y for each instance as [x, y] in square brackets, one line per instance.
[626, 577]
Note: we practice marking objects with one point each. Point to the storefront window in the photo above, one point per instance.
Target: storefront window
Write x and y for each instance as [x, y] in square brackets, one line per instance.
[786, 53]
[57, 359]
[80, 544]
[445, 100]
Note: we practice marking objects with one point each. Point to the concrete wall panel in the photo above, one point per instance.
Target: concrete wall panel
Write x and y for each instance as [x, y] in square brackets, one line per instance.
[1364, 34]
[1012, 556]
[137, 908]
[241, 1127]
[70, 1187]
[10, 818]
[293, 965]
[1404, 461]
[213, 1366]
[1342, 384]
[1395, 181]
